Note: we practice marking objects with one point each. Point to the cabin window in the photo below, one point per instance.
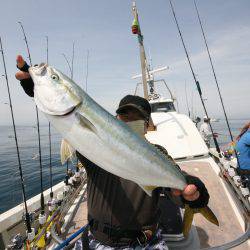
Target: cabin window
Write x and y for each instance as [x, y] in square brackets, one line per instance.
[162, 107]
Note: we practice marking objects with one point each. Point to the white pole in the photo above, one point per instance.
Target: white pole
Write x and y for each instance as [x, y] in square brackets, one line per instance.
[142, 55]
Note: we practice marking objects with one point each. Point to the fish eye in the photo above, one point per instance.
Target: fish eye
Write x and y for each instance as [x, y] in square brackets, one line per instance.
[55, 77]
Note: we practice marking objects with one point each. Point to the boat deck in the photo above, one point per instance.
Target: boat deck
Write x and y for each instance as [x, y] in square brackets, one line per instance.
[209, 234]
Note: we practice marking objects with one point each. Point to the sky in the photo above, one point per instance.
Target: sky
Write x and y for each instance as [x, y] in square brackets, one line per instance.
[104, 29]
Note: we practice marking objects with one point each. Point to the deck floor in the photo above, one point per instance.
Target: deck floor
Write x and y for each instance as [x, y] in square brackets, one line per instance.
[209, 234]
[229, 229]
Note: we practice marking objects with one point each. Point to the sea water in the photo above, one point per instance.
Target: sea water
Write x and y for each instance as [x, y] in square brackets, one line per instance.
[10, 187]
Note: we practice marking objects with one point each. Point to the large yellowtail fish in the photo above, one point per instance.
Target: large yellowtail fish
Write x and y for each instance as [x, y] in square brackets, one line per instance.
[102, 138]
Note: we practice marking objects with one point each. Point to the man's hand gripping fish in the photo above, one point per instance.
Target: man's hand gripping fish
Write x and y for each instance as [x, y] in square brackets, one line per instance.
[103, 139]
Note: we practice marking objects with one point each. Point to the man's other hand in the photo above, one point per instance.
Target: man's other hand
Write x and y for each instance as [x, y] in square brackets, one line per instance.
[194, 194]
[190, 193]
[21, 75]
[24, 77]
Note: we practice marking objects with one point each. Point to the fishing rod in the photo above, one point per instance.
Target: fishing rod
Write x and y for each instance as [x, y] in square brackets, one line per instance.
[215, 78]
[189, 114]
[87, 71]
[72, 60]
[50, 152]
[38, 129]
[67, 173]
[194, 77]
[27, 215]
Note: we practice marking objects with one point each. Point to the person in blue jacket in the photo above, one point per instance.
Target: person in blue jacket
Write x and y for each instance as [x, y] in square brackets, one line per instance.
[243, 150]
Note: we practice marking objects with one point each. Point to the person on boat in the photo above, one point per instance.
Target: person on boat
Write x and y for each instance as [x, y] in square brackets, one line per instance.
[196, 121]
[243, 150]
[205, 131]
[121, 214]
[243, 130]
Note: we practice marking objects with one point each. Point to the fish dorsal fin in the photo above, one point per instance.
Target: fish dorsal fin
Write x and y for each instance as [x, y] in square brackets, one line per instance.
[67, 151]
[164, 153]
[148, 189]
[85, 122]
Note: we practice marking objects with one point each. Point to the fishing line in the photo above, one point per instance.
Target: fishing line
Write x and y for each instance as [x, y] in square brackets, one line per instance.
[194, 77]
[215, 77]
[50, 153]
[27, 215]
[38, 129]
[67, 61]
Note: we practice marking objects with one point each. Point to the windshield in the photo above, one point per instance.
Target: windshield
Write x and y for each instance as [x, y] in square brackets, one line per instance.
[162, 107]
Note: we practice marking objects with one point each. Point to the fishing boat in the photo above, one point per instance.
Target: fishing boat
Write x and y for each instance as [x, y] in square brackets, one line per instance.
[66, 210]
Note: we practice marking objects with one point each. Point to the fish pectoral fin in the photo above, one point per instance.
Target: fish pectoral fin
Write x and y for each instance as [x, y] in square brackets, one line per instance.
[148, 189]
[189, 215]
[209, 215]
[187, 220]
[67, 151]
[84, 122]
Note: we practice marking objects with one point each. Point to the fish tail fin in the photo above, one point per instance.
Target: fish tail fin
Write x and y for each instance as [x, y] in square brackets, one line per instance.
[209, 215]
[67, 151]
[189, 215]
[187, 220]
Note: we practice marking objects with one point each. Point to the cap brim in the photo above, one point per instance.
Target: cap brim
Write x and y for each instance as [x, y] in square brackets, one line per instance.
[121, 109]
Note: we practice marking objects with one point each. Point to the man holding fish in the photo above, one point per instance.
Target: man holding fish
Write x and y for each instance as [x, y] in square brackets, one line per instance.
[126, 174]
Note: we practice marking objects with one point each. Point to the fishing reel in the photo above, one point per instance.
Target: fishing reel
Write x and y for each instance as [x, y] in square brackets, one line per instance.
[52, 204]
[16, 242]
[31, 217]
[245, 184]
[228, 155]
[59, 198]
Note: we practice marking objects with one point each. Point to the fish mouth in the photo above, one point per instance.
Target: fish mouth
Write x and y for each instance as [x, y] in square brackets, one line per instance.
[38, 70]
[57, 113]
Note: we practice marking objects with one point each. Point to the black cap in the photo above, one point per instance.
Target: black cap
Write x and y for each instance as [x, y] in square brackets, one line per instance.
[134, 102]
